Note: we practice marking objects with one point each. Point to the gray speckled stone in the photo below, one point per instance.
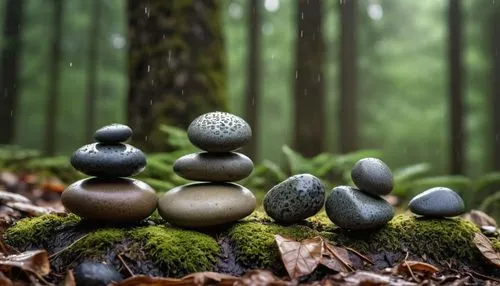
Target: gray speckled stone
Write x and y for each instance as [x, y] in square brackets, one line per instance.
[105, 160]
[294, 199]
[114, 133]
[371, 175]
[214, 167]
[347, 207]
[95, 274]
[437, 202]
[219, 132]
[115, 200]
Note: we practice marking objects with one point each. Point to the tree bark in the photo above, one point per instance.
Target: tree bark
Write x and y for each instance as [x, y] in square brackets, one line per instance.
[53, 92]
[348, 113]
[252, 99]
[456, 101]
[176, 66]
[309, 88]
[9, 80]
[495, 84]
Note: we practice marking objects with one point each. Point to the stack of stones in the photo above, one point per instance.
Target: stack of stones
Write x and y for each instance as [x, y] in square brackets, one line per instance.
[437, 202]
[362, 207]
[109, 195]
[215, 200]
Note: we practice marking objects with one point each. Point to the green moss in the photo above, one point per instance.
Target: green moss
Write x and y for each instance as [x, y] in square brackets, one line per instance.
[179, 251]
[97, 242]
[496, 244]
[37, 230]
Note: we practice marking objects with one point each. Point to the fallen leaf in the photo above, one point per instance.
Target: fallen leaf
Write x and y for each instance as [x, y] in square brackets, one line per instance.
[260, 277]
[416, 266]
[4, 280]
[484, 245]
[300, 258]
[200, 278]
[69, 280]
[480, 218]
[35, 262]
[336, 258]
[366, 278]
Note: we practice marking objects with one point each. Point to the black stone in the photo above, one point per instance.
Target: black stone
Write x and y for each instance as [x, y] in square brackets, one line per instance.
[437, 202]
[371, 175]
[114, 133]
[95, 274]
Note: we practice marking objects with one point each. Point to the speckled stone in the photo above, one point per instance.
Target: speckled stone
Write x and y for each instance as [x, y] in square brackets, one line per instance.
[113, 133]
[437, 202]
[348, 207]
[109, 160]
[219, 132]
[371, 175]
[214, 167]
[115, 200]
[95, 274]
[295, 199]
[206, 204]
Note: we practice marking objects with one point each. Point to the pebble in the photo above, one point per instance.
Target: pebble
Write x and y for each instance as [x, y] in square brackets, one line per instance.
[114, 133]
[214, 167]
[104, 160]
[350, 208]
[219, 132]
[206, 204]
[437, 202]
[371, 175]
[114, 200]
[295, 199]
[95, 274]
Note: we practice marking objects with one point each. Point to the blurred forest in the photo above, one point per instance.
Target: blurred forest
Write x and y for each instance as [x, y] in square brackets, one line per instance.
[417, 80]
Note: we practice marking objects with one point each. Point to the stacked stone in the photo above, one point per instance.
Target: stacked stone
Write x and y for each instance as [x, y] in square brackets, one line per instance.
[216, 199]
[109, 195]
[362, 207]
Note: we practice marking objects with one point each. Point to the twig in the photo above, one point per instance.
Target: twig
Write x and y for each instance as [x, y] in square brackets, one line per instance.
[484, 276]
[67, 247]
[125, 265]
[347, 265]
[409, 269]
[360, 255]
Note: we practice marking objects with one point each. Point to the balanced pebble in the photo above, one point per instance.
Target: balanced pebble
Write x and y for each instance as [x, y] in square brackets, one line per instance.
[348, 207]
[371, 175]
[214, 167]
[295, 199]
[114, 133]
[219, 132]
[437, 202]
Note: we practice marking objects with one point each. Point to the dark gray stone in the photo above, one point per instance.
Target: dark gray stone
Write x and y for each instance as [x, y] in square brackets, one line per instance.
[214, 167]
[348, 207]
[295, 199]
[109, 160]
[95, 274]
[219, 132]
[371, 175]
[114, 133]
[437, 202]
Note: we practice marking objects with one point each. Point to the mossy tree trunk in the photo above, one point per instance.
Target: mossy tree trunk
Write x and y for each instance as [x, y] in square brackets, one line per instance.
[176, 65]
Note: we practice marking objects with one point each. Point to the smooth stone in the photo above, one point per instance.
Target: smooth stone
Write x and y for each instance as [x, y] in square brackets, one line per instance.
[114, 200]
[437, 202]
[371, 175]
[350, 208]
[113, 133]
[95, 274]
[219, 132]
[109, 160]
[206, 204]
[214, 167]
[295, 199]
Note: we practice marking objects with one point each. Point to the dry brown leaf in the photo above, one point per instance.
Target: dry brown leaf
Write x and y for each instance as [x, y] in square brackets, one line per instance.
[416, 266]
[200, 278]
[339, 256]
[4, 280]
[260, 277]
[371, 279]
[36, 262]
[484, 245]
[69, 280]
[480, 218]
[300, 258]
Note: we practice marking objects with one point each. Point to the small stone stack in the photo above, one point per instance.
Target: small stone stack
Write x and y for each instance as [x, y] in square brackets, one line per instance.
[437, 202]
[216, 200]
[363, 208]
[109, 195]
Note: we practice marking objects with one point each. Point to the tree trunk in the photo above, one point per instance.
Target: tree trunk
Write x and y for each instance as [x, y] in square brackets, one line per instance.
[176, 66]
[457, 136]
[53, 96]
[90, 103]
[348, 113]
[309, 88]
[495, 84]
[253, 82]
[9, 80]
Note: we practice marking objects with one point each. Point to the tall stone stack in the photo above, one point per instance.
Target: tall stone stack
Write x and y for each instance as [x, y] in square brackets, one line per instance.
[110, 195]
[215, 199]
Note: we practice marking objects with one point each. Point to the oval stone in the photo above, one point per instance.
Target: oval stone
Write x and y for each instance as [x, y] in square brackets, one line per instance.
[95, 274]
[295, 199]
[206, 204]
[115, 200]
[113, 133]
[109, 160]
[348, 207]
[371, 175]
[214, 167]
[219, 132]
[437, 202]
